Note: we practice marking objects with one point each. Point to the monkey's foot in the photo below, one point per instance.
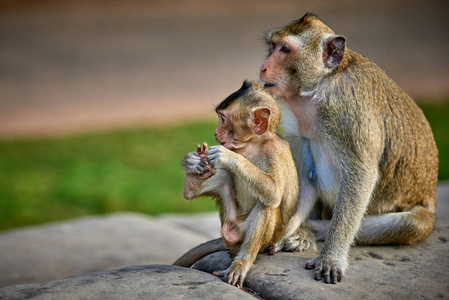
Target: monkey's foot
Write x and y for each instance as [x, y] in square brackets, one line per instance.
[192, 163]
[302, 240]
[235, 274]
[327, 269]
[197, 163]
[274, 248]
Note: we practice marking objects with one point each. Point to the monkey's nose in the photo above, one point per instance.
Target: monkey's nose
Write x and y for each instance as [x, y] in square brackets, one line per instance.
[263, 67]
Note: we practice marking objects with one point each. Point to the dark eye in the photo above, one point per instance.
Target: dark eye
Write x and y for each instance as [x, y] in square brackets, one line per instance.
[222, 119]
[284, 48]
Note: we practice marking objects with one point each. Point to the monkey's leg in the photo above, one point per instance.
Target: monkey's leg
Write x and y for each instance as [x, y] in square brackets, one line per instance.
[230, 228]
[299, 234]
[356, 187]
[193, 163]
[192, 186]
[259, 228]
[197, 170]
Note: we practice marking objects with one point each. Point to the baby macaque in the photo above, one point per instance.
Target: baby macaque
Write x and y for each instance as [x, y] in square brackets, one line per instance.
[252, 177]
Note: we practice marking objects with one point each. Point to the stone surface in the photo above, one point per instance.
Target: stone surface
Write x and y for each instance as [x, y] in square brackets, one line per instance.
[90, 244]
[140, 282]
[57, 250]
[397, 272]
[206, 224]
[443, 201]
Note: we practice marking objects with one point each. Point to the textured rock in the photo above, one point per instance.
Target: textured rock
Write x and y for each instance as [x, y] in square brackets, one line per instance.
[206, 224]
[392, 272]
[58, 250]
[141, 282]
[91, 244]
[443, 201]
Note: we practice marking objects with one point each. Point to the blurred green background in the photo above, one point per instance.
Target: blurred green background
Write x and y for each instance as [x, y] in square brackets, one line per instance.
[139, 170]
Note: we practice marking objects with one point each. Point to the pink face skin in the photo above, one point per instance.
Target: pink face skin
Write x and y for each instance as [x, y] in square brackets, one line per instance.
[231, 137]
[273, 70]
[240, 138]
[223, 132]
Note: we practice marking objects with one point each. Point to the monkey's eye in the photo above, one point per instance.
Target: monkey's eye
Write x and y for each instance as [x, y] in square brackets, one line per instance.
[283, 48]
[222, 118]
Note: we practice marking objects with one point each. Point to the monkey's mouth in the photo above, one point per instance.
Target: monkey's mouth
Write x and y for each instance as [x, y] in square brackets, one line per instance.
[227, 145]
[269, 84]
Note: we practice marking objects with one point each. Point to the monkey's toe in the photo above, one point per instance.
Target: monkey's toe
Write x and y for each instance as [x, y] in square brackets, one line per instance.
[329, 272]
[300, 245]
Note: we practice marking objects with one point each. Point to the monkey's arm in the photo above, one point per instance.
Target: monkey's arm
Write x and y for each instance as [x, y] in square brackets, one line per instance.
[267, 186]
[356, 186]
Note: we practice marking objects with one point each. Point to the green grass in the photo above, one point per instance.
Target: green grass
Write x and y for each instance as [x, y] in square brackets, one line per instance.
[128, 170]
[44, 180]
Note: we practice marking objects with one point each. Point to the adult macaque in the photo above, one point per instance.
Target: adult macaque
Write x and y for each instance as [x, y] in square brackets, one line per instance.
[252, 177]
[364, 150]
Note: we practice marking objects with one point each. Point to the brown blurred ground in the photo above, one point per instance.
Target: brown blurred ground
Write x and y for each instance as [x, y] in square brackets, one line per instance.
[68, 66]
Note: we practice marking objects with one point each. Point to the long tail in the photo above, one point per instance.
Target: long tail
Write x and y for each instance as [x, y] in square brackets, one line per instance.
[194, 254]
[392, 228]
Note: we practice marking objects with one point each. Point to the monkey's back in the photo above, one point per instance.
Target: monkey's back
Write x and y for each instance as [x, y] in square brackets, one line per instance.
[400, 136]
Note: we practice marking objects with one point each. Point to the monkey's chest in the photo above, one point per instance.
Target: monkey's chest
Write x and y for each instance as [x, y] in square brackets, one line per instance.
[326, 172]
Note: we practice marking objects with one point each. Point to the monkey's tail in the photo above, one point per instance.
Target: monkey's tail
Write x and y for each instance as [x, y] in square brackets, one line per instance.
[194, 254]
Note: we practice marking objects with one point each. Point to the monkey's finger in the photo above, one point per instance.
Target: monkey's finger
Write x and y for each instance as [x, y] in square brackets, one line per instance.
[229, 277]
[318, 274]
[214, 149]
[233, 278]
[221, 274]
[204, 164]
[292, 249]
[327, 274]
[339, 275]
[213, 158]
[310, 265]
[193, 159]
[240, 284]
[198, 149]
[200, 169]
[205, 147]
[335, 275]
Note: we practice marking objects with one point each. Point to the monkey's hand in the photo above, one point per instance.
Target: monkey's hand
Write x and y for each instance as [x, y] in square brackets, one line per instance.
[327, 268]
[219, 155]
[235, 274]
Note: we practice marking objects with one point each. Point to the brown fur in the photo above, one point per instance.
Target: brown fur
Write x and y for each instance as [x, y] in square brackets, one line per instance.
[369, 145]
[250, 178]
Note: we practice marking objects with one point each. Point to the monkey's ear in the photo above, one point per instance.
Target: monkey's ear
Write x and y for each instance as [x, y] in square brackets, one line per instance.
[260, 120]
[333, 50]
